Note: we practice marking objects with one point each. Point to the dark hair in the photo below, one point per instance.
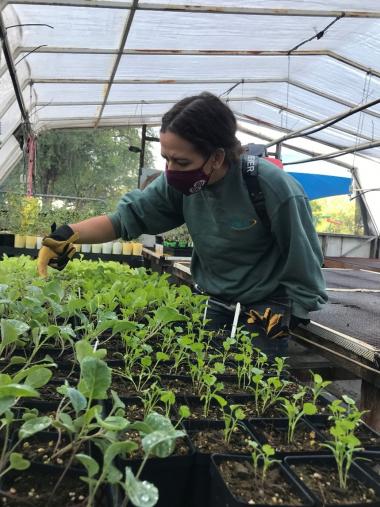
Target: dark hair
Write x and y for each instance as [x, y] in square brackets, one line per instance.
[206, 122]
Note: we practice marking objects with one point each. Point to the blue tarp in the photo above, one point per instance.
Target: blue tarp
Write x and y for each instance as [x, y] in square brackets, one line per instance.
[317, 186]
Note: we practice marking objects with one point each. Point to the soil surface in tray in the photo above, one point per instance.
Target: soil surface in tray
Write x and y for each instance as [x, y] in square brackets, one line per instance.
[324, 483]
[180, 387]
[210, 441]
[240, 479]
[35, 489]
[135, 411]
[304, 438]
[42, 451]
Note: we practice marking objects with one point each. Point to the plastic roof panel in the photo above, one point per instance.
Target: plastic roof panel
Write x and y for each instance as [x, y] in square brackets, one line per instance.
[88, 28]
[165, 30]
[69, 92]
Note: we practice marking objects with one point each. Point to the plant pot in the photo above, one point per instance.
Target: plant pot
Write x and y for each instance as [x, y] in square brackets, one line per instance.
[171, 475]
[39, 242]
[137, 248]
[7, 239]
[19, 241]
[117, 248]
[77, 247]
[127, 248]
[319, 476]
[201, 473]
[244, 490]
[96, 248]
[30, 242]
[369, 438]
[273, 431]
[107, 247]
[86, 248]
[41, 480]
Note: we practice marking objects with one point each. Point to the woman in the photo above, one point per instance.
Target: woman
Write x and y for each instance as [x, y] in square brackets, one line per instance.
[274, 273]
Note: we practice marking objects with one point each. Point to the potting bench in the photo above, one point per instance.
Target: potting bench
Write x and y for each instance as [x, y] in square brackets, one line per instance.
[342, 341]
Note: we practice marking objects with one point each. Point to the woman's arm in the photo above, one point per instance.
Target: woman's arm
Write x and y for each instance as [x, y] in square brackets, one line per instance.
[95, 230]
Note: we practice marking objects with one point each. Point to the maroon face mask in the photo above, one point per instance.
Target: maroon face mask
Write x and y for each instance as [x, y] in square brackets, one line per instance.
[188, 182]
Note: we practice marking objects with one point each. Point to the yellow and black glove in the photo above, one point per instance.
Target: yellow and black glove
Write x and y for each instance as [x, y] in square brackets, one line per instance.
[57, 249]
[274, 325]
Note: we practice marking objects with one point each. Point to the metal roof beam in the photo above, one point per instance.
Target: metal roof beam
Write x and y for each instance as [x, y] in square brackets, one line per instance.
[259, 122]
[198, 52]
[124, 37]
[213, 9]
[290, 147]
[297, 84]
[12, 71]
[232, 99]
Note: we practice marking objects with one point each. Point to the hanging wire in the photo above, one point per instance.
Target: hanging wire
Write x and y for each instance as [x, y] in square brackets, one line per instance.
[229, 90]
[320, 34]
[30, 52]
[365, 94]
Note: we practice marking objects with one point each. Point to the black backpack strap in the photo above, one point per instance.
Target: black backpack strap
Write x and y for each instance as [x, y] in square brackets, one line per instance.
[250, 165]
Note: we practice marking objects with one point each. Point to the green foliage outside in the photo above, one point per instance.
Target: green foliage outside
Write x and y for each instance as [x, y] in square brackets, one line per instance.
[85, 163]
[336, 215]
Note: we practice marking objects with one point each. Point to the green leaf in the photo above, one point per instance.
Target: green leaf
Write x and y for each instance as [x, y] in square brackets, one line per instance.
[112, 423]
[78, 401]
[33, 426]
[161, 443]
[17, 462]
[6, 403]
[161, 356]
[17, 360]
[18, 390]
[140, 493]
[89, 463]
[116, 448]
[10, 330]
[309, 409]
[166, 314]
[184, 412]
[67, 422]
[39, 377]
[114, 475]
[95, 378]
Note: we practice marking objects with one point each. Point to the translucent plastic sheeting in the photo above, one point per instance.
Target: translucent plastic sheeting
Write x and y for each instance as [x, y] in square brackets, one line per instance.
[10, 154]
[88, 28]
[72, 92]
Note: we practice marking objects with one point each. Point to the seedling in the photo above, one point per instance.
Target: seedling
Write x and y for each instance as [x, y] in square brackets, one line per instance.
[262, 459]
[294, 409]
[232, 417]
[318, 386]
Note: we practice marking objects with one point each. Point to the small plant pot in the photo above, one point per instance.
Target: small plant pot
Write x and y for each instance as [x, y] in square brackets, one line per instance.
[107, 247]
[127, 248]
[369, 438]
[86, 248]
[171, 475]
[117, 248]
[96, 248]
[30, 242]
[39, 242]
[21, 486]
[137, 249]
[202, 461]
[19, 241]
[7, 239]
[244, 489]
[273, 431]
[319, 476]
[77, 247]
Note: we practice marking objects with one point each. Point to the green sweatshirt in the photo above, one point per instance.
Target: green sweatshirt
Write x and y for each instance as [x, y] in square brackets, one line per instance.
[235, 257]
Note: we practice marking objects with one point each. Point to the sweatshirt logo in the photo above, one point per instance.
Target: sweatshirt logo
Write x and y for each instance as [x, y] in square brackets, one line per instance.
[243, 225]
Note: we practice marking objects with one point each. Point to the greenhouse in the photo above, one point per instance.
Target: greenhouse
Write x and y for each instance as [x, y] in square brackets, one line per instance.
[205, 335]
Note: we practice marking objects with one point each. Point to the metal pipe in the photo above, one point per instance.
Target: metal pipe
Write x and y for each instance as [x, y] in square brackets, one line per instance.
[339, 153]
[12, 72]
[328, 122]
[142, 154]
[118, 58]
